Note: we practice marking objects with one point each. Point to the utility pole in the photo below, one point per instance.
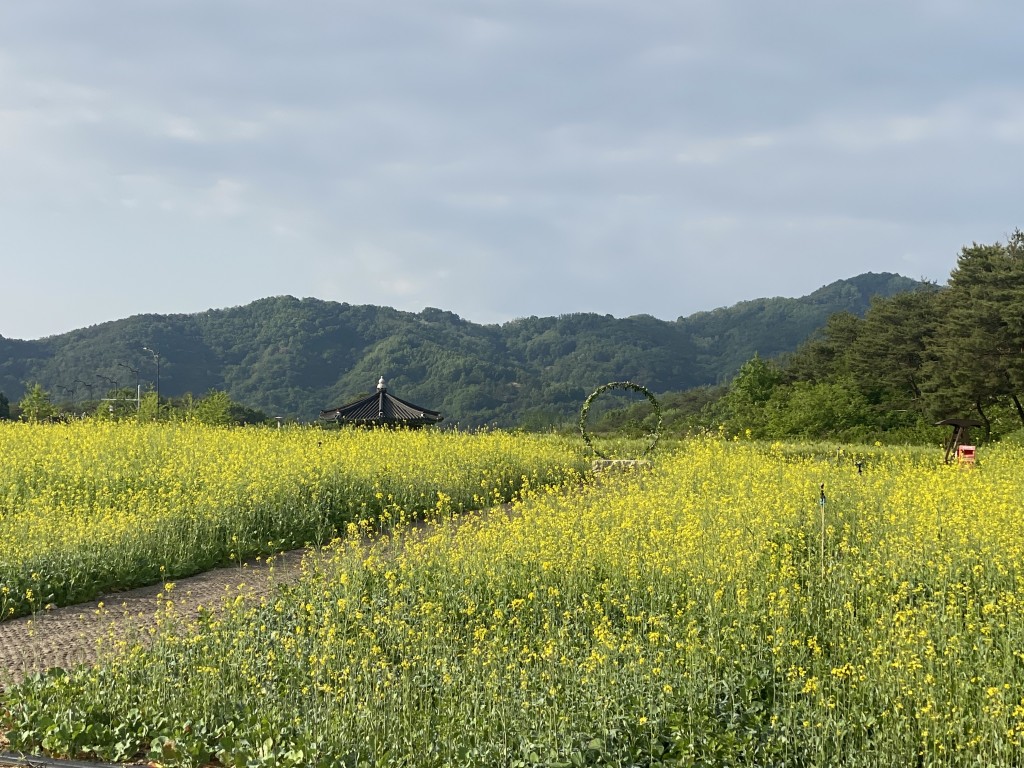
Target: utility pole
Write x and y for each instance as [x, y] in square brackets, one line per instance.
[138, 387]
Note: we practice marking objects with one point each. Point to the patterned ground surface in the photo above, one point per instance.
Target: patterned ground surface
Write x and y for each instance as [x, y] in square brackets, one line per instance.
[65, 637]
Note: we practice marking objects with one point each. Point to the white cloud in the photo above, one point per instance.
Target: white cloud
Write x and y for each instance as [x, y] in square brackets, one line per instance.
[183, 129]
[721, 150]
[711, 152]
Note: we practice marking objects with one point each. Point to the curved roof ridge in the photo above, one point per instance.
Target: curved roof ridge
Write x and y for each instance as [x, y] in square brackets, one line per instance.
[381, 407]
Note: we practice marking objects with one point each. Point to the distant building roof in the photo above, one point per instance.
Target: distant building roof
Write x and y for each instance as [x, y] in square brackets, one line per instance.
[382, 408]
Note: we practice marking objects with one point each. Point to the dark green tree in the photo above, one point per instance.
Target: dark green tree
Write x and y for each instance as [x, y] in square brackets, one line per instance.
[891, 347]
[827, 352]
[824, 409]
[5, 407]
[978, 349]
[889, 359]
[744, 406]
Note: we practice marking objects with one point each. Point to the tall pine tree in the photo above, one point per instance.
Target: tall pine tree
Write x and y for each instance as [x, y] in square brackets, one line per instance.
[979, 344]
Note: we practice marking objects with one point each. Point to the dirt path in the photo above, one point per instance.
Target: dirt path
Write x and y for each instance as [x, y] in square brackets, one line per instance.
[65, 637]
[73, 635]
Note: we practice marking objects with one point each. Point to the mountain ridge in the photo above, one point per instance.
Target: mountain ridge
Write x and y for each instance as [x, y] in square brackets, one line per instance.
[292, 357]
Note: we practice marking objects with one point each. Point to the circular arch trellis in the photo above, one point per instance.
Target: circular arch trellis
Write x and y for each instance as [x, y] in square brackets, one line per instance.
[627, 385]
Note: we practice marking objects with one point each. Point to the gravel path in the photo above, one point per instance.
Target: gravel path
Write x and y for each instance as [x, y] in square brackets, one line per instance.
[65, 637]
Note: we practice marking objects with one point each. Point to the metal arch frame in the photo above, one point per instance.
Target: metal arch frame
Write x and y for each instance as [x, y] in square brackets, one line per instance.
[630, 386]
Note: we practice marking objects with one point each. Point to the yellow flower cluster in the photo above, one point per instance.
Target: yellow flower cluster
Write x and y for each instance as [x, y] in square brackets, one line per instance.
[713, 610]
[92, 506]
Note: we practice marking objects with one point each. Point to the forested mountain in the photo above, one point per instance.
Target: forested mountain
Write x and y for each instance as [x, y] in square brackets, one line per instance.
[294, 357]
[911, 360]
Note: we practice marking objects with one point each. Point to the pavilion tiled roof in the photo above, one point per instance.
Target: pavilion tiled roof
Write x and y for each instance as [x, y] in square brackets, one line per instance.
[382, 408]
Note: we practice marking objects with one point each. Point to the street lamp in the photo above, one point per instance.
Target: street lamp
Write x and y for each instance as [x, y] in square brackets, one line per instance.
[87, 385]
[156, 355]
[138, 389]
[110, 382]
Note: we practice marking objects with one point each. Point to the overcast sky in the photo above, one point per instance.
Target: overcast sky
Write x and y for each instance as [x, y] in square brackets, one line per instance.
[495, 158]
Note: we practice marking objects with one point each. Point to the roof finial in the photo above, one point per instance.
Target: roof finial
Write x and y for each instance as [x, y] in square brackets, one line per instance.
[380, 385]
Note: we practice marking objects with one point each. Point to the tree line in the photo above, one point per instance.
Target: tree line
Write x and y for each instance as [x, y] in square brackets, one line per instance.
[214, 408]
[913, 359]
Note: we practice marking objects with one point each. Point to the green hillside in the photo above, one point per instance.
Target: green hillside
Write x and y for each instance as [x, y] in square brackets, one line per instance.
[293, 357]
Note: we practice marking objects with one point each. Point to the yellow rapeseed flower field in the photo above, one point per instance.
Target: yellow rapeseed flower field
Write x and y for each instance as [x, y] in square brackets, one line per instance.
[711, 611]
[92, 506]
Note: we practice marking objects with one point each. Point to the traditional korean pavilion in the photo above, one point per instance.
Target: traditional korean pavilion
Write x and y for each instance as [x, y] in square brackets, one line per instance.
[382, 409]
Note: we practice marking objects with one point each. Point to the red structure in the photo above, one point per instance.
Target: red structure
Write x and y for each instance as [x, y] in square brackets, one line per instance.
[965, 454]
[959, 438]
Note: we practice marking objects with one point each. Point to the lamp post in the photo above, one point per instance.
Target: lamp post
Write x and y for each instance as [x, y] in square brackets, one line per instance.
[138, 389]
[156, 355]
[87, 385]
[110, 382]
